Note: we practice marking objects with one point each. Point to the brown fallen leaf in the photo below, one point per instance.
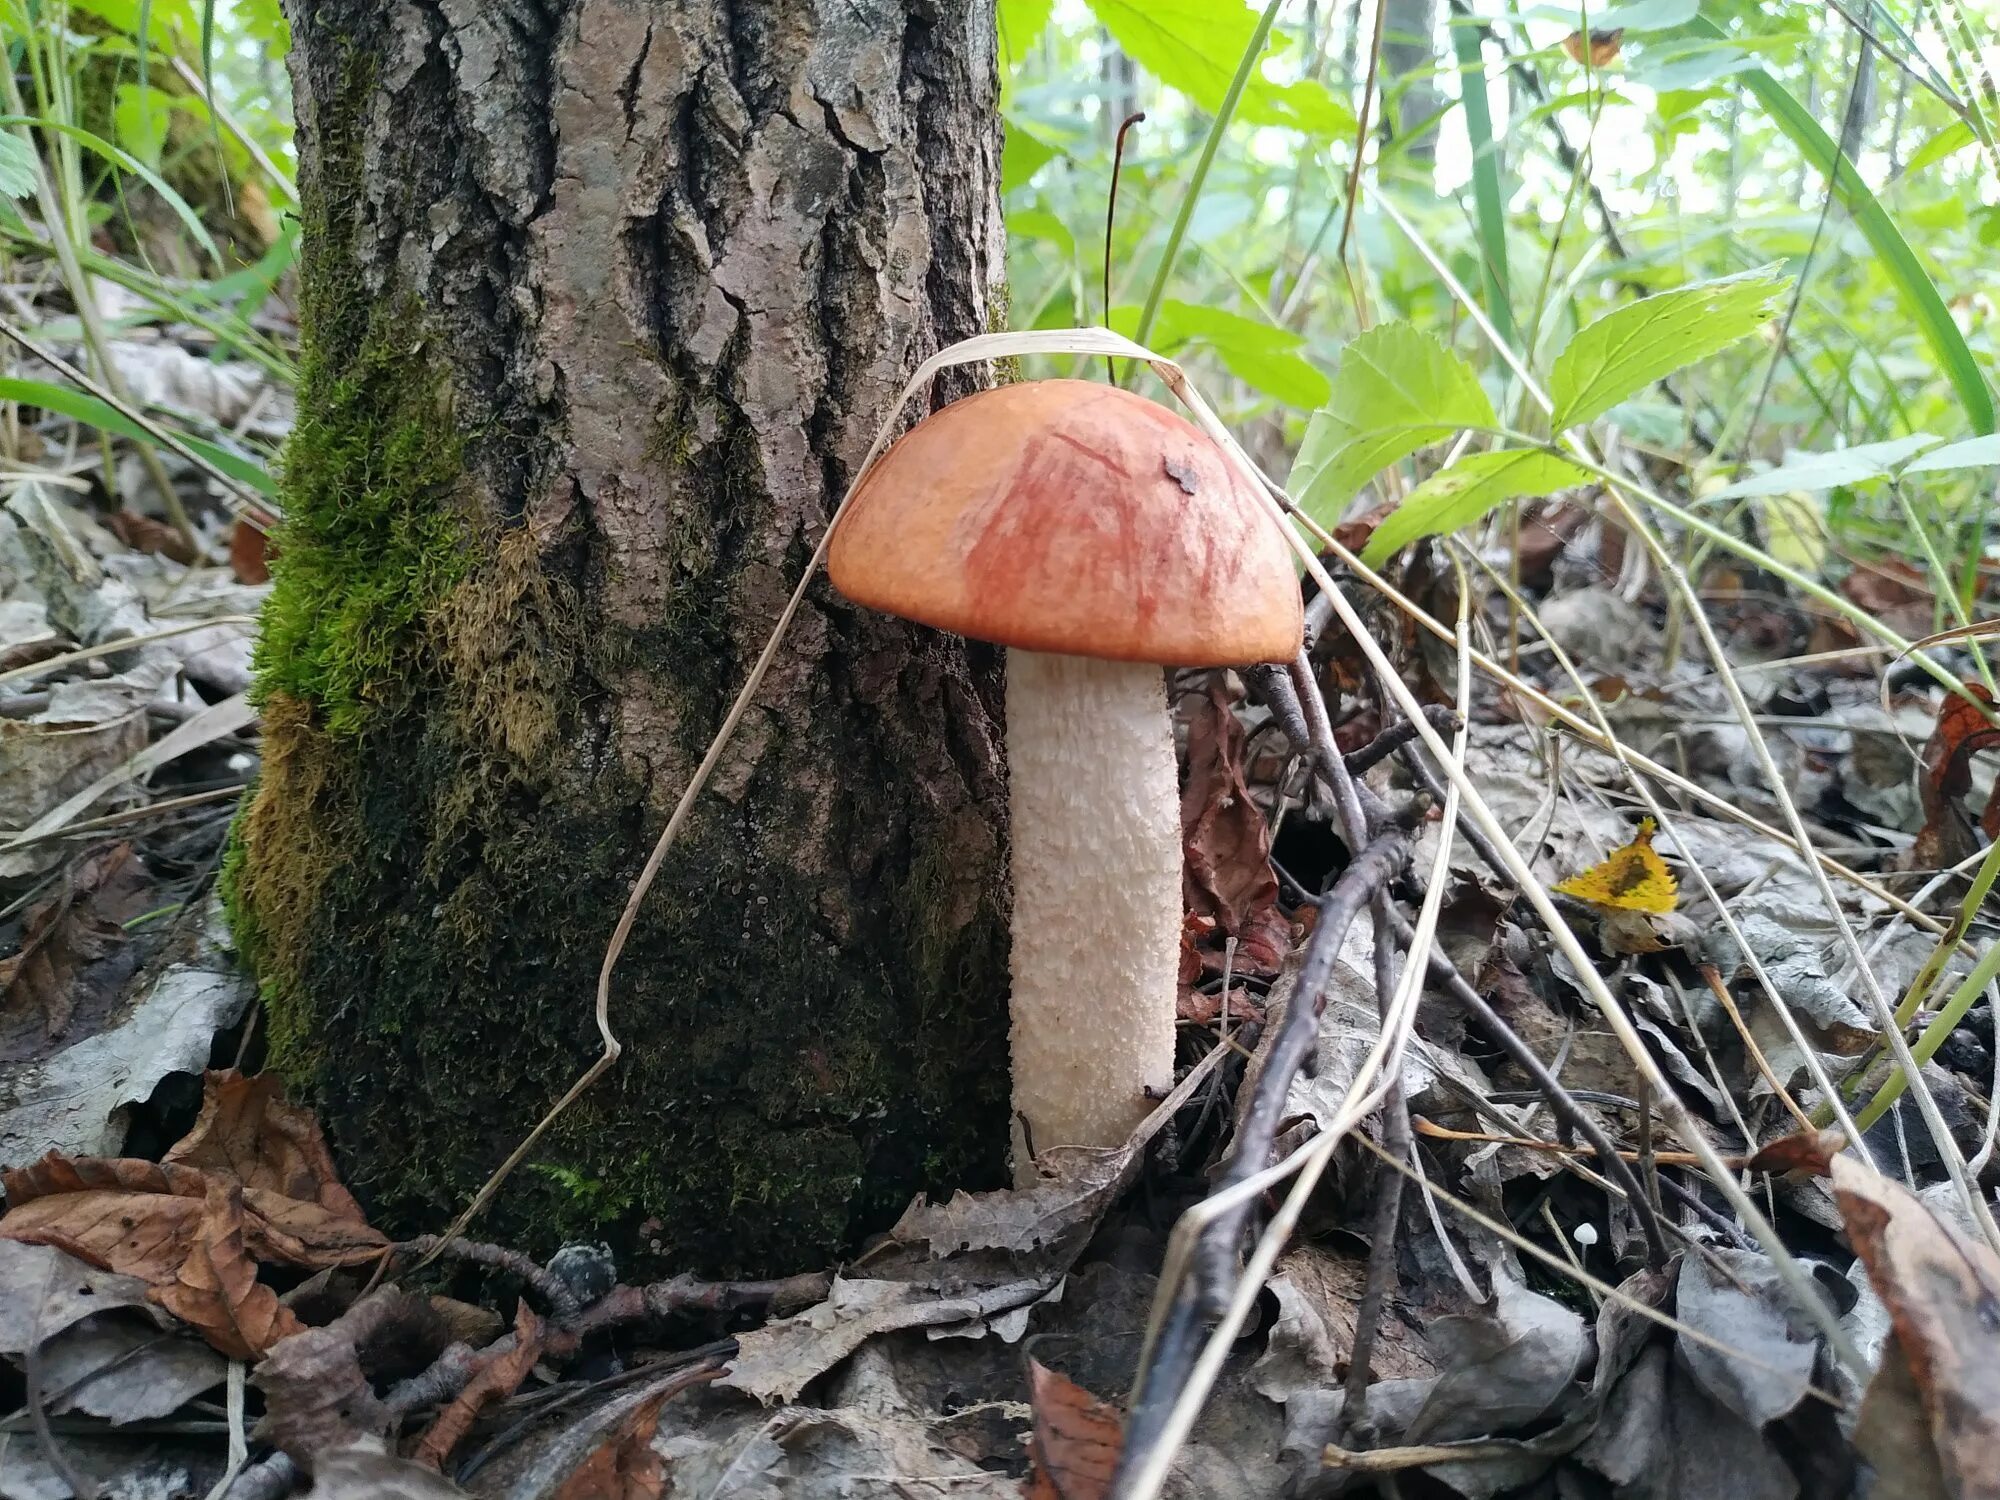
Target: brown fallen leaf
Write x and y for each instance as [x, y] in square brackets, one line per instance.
[1963, 729]
[498, 1378]
[246, 1131]
[1942, 1291]
[625, 1467]
[132, 1217]
[196, 1233]
[144, 534]
[1203, 1009]
[250, 553]
[1076, 1438]
[1894, 592]
[316, 1397]
[72, 931]
[1226, 874]
[1810, 1151]
[216, 1290]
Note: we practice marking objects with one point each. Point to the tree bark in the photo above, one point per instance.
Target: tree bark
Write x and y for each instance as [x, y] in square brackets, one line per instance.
[602, 302]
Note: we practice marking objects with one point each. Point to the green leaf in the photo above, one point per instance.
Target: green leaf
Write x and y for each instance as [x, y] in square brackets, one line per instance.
[1949, 141]
[1625, 351]
[1397, 390]
[1022, 155]
[17, 166]
[87, 409]
[1254, 351]
[1825, 471]
[1468, 490]
[1969, 453]
[1306, 105]
[1020, 23]
[1195, 45]
[1794, 532]
[1190, 45]
[142, 115]
[1039, 224]
[1490, 218]
[1691, 67]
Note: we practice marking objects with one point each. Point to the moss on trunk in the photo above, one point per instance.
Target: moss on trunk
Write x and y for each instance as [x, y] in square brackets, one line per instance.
[527, 557]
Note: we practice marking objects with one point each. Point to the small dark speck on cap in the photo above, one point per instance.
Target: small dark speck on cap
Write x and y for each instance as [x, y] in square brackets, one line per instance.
[1180, 474]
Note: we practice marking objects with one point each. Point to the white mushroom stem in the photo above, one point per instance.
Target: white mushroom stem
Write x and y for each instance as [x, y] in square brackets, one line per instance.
[1095, 820]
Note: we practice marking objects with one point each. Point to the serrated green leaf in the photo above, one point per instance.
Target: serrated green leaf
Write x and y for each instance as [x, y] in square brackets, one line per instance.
[1468, 490]
[1968, 453]
[17, 166]
[1625, 351]
[1397, 390]
[1256, 352]
[1825, 471]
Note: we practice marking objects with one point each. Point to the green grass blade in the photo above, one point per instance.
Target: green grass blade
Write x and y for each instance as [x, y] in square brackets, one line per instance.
[1490, 220]
[87, 409]
[132, 164]
[1912, 282]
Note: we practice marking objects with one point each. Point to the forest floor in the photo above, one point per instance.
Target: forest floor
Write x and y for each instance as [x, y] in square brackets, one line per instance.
[1573, 1218]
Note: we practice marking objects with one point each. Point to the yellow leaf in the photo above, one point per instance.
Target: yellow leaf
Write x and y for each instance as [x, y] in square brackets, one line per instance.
[1634, 878]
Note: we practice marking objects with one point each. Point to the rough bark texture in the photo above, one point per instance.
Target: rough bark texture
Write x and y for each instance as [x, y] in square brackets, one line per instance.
[603, 300]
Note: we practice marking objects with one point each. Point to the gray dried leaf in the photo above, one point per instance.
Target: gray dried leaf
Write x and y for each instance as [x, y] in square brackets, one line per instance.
[316, 1398]
[1051, 1219]
[775, 1362]
[1663, 1438]
[1503, 1366]
[368, 1471]
[126, 1370]
[44, 1290]
[1773, 1350]
[121, 1468]
[73, 1102]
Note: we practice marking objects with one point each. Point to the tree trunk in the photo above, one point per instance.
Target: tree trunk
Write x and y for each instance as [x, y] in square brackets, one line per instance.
[602, 303]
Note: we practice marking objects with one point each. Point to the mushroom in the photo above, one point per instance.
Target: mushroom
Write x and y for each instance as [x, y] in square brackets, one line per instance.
[1098, 536]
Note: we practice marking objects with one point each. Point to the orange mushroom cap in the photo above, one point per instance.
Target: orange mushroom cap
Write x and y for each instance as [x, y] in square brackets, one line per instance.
[1071, 517]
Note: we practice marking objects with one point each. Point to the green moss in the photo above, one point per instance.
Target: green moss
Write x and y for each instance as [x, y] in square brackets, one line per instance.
[373, 536]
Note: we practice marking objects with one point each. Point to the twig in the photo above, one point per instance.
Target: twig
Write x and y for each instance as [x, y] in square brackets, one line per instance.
[1381, 1282]
[1181, 1331]
[686, 1294]
[1444, 972]
[1110, 220]
[1395, 737]
[550, 1287]
[1296, 1041]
